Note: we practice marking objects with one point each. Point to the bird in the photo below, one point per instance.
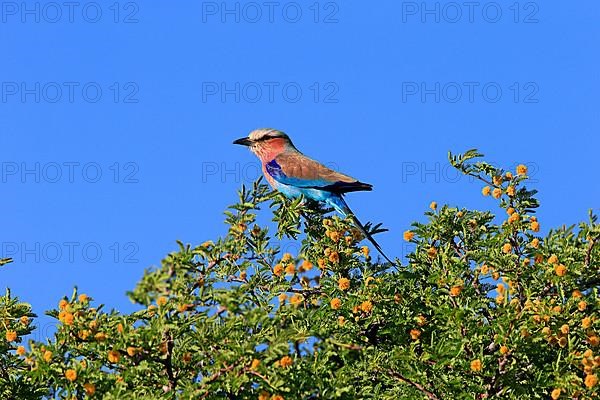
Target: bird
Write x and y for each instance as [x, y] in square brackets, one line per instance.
[293, 174]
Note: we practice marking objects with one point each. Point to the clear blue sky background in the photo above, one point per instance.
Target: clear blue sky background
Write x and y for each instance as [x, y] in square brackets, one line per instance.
[160, 132]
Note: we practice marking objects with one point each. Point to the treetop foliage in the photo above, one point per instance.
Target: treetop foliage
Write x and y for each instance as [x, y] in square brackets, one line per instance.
[484, 307]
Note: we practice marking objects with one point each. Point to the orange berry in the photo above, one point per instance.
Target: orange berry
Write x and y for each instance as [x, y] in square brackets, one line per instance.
[286, 361]
[334, 257]
[307, 265]
[476, 365]
[344, 283]
[62, 304]
[11, 336]
[255, 364]
[521, 169]
[89, 388]
[432, 252]
[335, 303]
[591, 381]
[114, 356]
[557, 309]
[560, 270]
[264, 396]
[414, 334]
[546, 331]
[131, 351]
[296, 299]
[365, 251]
[408, 235]
[68, 318]
[486, 191]
[334, 236]
[366, 306]
[290, 269]
[278, 270]
[161, 301]
[71, 375]
[455, 290]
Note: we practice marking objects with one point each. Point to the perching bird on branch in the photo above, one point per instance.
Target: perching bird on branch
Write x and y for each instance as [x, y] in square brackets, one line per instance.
[293, 174]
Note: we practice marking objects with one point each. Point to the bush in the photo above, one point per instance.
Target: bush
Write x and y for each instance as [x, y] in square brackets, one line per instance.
[482, 309]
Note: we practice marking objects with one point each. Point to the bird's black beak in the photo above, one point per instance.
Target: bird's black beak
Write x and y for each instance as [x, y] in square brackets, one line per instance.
[243, 141]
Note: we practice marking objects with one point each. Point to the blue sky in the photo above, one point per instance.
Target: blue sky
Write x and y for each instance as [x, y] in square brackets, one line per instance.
[116, 119]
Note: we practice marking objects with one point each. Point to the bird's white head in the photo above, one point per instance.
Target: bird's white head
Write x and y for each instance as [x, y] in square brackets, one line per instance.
[266, 143]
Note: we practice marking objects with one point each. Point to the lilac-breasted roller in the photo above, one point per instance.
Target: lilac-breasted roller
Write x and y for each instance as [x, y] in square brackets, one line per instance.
[293, 174]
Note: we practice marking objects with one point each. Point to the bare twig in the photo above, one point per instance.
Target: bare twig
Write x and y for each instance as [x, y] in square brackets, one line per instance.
[416, 385]
[588, 253]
